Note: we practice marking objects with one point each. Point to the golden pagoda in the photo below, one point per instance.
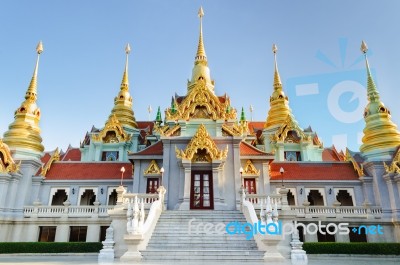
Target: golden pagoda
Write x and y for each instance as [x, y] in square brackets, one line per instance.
[24, 133]
[123, 102]
[380, 133]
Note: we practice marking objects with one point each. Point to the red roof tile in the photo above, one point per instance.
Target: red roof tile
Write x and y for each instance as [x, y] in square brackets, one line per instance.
[45, 158]
[154, 149]
[249, 150]
[314, 171]
[87, 171]
[330, 155]
[254, 126]
[72, 154]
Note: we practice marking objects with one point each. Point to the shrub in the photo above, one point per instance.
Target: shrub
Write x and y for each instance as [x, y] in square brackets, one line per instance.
[49, 247]
[361, 248]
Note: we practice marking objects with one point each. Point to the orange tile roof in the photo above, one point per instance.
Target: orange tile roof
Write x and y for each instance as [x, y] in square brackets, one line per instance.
[154, 149]
[88, 171]
[330, 155]
[72, 154]
[314, 171]
[45, 158]
[249, 150]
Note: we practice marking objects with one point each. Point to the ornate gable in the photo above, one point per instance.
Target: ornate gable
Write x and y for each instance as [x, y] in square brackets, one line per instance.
[152, 169]
[54, 157]
[7, 164]
[359, 169]
[201, 103]
[250, 169]
[202, 140]
[290, 125]
[112, 132]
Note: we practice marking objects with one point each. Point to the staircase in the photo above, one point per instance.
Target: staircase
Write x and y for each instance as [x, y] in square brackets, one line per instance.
[171, 239]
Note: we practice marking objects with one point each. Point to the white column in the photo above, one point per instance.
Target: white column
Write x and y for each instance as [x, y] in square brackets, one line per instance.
[93, 233]
[62, 233]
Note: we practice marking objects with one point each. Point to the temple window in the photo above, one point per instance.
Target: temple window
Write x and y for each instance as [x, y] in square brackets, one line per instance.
[110, 156]
[315, 198]
[59, 197]
[292, 156]
[112, 197]
[77, 233]
[88, 197]
[152, 185]
[47, 233]
[344, 197]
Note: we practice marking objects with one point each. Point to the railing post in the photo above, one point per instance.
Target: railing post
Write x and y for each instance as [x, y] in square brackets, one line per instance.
[284, 201]
[96, 208]
[120, 191]
[66, 207]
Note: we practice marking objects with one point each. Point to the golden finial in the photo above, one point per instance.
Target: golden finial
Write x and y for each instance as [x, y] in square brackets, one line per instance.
[364, 47]
[277, 78]
[201, 12]
[39, 47]
[127, 48]
[201, 52]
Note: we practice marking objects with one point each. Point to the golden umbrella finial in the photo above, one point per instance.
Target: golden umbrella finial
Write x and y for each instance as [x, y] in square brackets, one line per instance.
[127, 48]
[201, 12]
[364, 47]
[39, 47]
[274, 48]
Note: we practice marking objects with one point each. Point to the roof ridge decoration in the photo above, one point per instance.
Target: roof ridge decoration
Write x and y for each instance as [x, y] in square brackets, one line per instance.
[358, 168]
[235, 129]
[106, 136]
[54, 157]
[394, 166]
[202, 140]
[200, 102]
[166, 130]
[152, 169]
[7, 164]
[250, 169]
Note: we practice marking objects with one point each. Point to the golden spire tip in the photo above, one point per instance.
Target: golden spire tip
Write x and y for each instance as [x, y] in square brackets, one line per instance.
[127, 49]
[274, 48]
[364, 47]
[39, 47]
[201, 12]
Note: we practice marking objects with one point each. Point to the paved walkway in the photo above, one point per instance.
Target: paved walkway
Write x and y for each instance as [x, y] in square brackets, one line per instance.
[92, 259]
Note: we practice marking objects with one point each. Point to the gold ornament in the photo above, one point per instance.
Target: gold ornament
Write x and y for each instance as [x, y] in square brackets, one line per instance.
[7, 164]
[112, 132]
[54, 157]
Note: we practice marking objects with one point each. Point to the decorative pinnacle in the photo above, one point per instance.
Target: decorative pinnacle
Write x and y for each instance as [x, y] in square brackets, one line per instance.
[32, 89]
[127, 48]
[39, 47]
[372, 91]
[201, 52]
[277, 78]
[125, 81]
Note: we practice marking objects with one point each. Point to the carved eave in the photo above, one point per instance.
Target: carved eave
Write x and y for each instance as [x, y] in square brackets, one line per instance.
[112, 125]
[168, 131]
[202, 140]
[201, 103]
[250, 170]
[153, 169]
[359, 169]
[7, 164]
[235, 129]
[394, 166]
[54, 157]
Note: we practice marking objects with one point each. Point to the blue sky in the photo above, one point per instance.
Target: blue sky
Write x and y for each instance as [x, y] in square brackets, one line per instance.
[82, 64]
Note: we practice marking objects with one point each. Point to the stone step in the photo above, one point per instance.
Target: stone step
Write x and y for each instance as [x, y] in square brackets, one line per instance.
[200, 246]
[205, 254]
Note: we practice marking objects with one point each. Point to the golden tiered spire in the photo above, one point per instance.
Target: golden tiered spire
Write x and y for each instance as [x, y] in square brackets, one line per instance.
[200, 70]
[24, 132]
[279, 103]
[380, 133]
[123, 102]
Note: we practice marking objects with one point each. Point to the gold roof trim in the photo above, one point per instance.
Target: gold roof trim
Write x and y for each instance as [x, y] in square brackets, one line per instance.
[54, 157]
[357, 168]
[152, 169]
[202, 140]
[114, 125]
[202, 97]
[235, 130]
[394, 167]
[250, 169]
[7, 164]
[166, 130]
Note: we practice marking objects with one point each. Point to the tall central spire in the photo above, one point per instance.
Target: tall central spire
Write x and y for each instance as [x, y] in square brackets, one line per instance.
[277, 78]
[123, 102]
[200, 70]
[23, 136]
[201, 52]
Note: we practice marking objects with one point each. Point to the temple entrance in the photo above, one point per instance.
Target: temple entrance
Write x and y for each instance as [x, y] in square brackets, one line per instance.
[201, 192]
